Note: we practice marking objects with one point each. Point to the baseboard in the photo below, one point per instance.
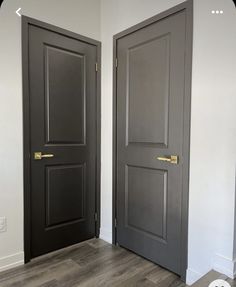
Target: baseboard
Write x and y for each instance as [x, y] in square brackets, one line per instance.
[192, 276]
[11, 261]
[225, 266]
[106, 235]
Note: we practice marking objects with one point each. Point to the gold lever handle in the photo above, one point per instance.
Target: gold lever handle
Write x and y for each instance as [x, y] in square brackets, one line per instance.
[172, 159]
[39, 155]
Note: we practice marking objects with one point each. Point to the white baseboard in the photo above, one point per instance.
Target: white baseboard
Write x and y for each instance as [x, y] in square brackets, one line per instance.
[11, 261]
[106, 235]
[225, 266]
[192, 276]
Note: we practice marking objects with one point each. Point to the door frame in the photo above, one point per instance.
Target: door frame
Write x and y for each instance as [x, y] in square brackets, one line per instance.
[26, 22]
[188, 7]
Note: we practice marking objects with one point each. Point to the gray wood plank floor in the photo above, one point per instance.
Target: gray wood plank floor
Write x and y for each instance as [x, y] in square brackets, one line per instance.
[90, 263]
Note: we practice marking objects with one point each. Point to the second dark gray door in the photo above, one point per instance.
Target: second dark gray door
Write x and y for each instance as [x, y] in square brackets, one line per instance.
[150, 101]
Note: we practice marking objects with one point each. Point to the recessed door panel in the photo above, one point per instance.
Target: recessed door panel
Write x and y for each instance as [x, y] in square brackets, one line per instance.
[65, 103]
[65, 194]
[148, 91]
[145, 198]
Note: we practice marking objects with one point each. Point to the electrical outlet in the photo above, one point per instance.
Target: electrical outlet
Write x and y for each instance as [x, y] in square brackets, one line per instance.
[3, 224]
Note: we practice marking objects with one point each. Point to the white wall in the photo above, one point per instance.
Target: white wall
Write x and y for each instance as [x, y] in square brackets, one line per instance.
[213, 128]
[80, 16]
[213, 139]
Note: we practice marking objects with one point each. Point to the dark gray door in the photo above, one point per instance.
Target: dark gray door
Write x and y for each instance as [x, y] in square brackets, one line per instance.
[150, 125]
[62, 87]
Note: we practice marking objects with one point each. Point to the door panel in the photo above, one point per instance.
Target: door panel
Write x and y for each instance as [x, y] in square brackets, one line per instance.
[62, 79]
[144, 112]
[150, 108]
[153, 203]
[65, 194]
[65, 103]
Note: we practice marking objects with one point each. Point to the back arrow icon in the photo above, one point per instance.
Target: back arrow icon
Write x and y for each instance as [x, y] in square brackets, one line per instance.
[17, 12]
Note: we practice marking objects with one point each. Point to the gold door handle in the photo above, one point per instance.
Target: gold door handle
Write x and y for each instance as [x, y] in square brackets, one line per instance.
[172, 159]
[39, 155]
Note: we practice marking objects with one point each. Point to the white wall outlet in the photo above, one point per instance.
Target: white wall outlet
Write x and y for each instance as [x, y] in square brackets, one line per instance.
[3, 224]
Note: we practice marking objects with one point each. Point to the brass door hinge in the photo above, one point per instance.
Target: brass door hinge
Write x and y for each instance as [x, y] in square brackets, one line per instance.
[115, 222]
[116, 62]
[96, 67]
[96, 216]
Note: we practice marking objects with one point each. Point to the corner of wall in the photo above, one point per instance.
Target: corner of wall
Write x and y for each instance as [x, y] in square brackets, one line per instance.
[192, 276]
[225, 265]
[106, 235]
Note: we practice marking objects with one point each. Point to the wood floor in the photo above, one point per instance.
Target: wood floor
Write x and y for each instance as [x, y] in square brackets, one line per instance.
[92, 263]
